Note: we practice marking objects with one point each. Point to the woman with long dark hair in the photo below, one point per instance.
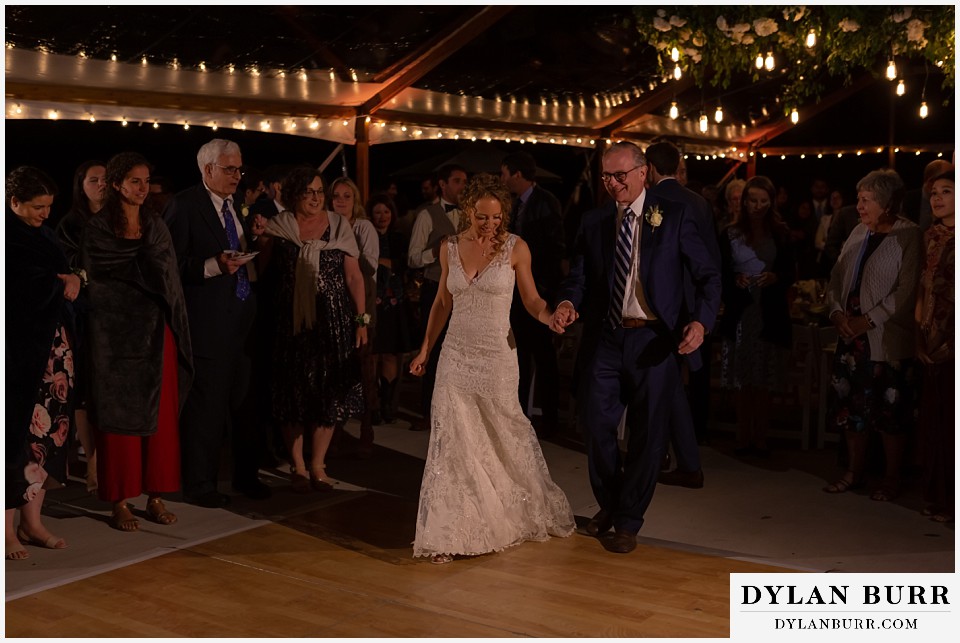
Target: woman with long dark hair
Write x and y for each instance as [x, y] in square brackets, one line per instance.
[89, 190]
[139, 342]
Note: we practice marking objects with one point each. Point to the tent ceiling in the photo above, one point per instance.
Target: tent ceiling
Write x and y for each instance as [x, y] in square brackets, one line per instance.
[568, 73]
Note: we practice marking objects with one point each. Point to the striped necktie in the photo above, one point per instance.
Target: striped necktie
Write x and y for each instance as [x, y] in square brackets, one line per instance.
[621, 267]
[233, 238]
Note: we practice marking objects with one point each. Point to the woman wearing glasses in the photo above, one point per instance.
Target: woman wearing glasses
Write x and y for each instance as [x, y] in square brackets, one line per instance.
[321, 323]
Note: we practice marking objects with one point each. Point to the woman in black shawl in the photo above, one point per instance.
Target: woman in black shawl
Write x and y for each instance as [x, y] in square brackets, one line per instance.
[39, 359]
[89, 189]
[139, 346]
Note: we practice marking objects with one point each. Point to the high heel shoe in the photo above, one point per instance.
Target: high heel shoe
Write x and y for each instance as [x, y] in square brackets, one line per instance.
[299, 482]
[319, 480]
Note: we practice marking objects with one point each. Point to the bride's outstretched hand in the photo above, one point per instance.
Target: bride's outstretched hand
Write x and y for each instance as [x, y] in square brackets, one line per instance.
[419, 365]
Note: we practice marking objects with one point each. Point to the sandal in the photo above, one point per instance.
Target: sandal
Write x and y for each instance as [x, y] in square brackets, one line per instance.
[844, 484]
[299, 482]
[158, 512]
[941, 516]
[887, 492]
[441, 559]
[53, 542]
[123, 520]
[319, 480]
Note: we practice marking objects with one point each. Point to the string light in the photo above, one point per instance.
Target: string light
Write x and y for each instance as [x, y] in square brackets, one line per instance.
[674, 110]
[143, 61]
[18, 109]
[186, 125]
[794, 116]
[353, 75]
[677, 74]
[718, 115]
[92, 118]
[703, 123]
[924, 112]
[811, 39]
[156, 125]
[769, 63]
[314, 124]
[674, 54]
[891, 70]
[901, 88]
[759, 61]
[202, 66]
[214, 127]
[231, 68]
[113, 58]
[54, 114]
[123, 121]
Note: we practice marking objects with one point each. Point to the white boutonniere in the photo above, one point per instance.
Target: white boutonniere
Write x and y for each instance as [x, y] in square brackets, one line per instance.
[244, 211]
[362, 320]
[654, 216]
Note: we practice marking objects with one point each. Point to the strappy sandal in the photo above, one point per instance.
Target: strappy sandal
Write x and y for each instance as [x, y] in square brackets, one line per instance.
[843, 485]
[53, 542]
[158, 512]
[124, 520]
[887, 492]
[441, 559]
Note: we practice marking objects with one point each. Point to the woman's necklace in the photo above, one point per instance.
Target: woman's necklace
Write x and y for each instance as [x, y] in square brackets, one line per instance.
[484, 251]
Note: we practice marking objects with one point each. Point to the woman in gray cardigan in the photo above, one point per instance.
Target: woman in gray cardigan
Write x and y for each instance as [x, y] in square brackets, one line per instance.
[871, 295]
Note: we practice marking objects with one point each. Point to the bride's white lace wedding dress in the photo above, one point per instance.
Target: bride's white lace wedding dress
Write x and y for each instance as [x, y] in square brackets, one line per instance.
[486, 485]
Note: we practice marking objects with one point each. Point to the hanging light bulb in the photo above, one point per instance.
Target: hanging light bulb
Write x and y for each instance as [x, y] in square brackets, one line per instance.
[769, 63]
[674, 54]
[703, 123]
[901, 88]
[811, 39]
[674, 110]
[718, 115]
[891, 70]
[924, 112]
[794, 116]
[677, 73]
[759, 61]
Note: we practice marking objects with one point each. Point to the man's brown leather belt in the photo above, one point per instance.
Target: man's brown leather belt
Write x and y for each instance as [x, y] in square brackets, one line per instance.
[630, 322]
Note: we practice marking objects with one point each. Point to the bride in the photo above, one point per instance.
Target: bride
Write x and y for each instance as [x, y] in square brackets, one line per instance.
[485, 484]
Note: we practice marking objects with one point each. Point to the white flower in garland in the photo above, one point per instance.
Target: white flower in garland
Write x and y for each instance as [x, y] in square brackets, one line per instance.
[915, 30]
[848, 25]
[903, 15]
[677, 21]
[722, 24]
[765, 26]
[661, 25]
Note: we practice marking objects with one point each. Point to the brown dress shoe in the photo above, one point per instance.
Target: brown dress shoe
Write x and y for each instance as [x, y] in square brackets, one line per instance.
[600, 523]
[623, 542]
[689, 479]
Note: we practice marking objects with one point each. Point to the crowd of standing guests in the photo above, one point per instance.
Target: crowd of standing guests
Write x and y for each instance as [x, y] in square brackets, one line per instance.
[154, 328]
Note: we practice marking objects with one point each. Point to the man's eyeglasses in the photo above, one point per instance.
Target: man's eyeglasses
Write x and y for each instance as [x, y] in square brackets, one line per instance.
[231, 169]
[313, 193]
[619, 176]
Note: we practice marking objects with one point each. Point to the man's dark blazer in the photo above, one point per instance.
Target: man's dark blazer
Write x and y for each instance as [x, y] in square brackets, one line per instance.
[541, 226]
[219, 322]
[666, 252]
[699, 210]
[267, 208]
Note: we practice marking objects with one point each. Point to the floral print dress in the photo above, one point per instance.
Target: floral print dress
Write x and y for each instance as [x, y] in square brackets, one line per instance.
[50, 424]
[869, 395]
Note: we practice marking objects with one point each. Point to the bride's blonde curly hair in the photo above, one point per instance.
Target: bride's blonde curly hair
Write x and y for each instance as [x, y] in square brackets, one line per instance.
[480, 186]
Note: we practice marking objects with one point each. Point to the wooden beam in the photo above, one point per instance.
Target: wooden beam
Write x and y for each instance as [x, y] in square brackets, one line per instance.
[363, 158]
[165, 100]
[764, 134]
[469, 123]
[451, 42]
[619, 121]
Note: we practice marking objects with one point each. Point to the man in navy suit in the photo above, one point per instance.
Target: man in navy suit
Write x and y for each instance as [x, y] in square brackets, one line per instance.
[221, 306]
[685, 428]
[627, 280]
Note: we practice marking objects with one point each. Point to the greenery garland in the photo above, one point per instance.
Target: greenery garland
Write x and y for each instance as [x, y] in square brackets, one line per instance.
[718, 44]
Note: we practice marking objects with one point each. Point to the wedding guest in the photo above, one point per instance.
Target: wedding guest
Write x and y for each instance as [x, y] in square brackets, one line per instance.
[141, 363]
[89, 189]
[935, 348]
[731, 195]
[346, 201]
[39, 357]
[871, 298]
[758, 268]
[321, 323]
[394, 324]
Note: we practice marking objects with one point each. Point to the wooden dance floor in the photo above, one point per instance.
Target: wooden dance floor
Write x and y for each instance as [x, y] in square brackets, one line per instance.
[346, 570]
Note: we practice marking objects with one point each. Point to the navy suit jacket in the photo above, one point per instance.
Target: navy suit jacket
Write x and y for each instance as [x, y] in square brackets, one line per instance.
[666, 252]
[219, 322]
[541, 226]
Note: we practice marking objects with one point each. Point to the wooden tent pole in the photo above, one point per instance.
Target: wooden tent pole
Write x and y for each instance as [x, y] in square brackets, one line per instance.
[363, 157]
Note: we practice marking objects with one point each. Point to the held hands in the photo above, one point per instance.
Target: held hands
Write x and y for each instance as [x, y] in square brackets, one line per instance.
[762, 280]
[259, 226]
[692, 338]
[562, 317]
[418, 365]
[71, 286]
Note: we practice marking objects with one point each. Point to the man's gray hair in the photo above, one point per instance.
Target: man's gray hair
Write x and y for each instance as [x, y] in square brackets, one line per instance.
[211, 152]
[638, 156]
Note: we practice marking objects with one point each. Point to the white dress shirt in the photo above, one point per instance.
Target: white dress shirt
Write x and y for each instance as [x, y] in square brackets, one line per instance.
[635, 306]
[210, 267]
[418, 254]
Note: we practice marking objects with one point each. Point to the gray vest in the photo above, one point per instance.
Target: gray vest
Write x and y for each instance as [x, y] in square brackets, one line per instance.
[441, 226]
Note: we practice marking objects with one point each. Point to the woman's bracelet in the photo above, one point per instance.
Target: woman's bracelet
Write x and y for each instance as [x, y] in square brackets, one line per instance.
[362, 320]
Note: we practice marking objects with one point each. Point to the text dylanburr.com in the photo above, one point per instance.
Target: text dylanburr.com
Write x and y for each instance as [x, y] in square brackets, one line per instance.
[847, 607]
